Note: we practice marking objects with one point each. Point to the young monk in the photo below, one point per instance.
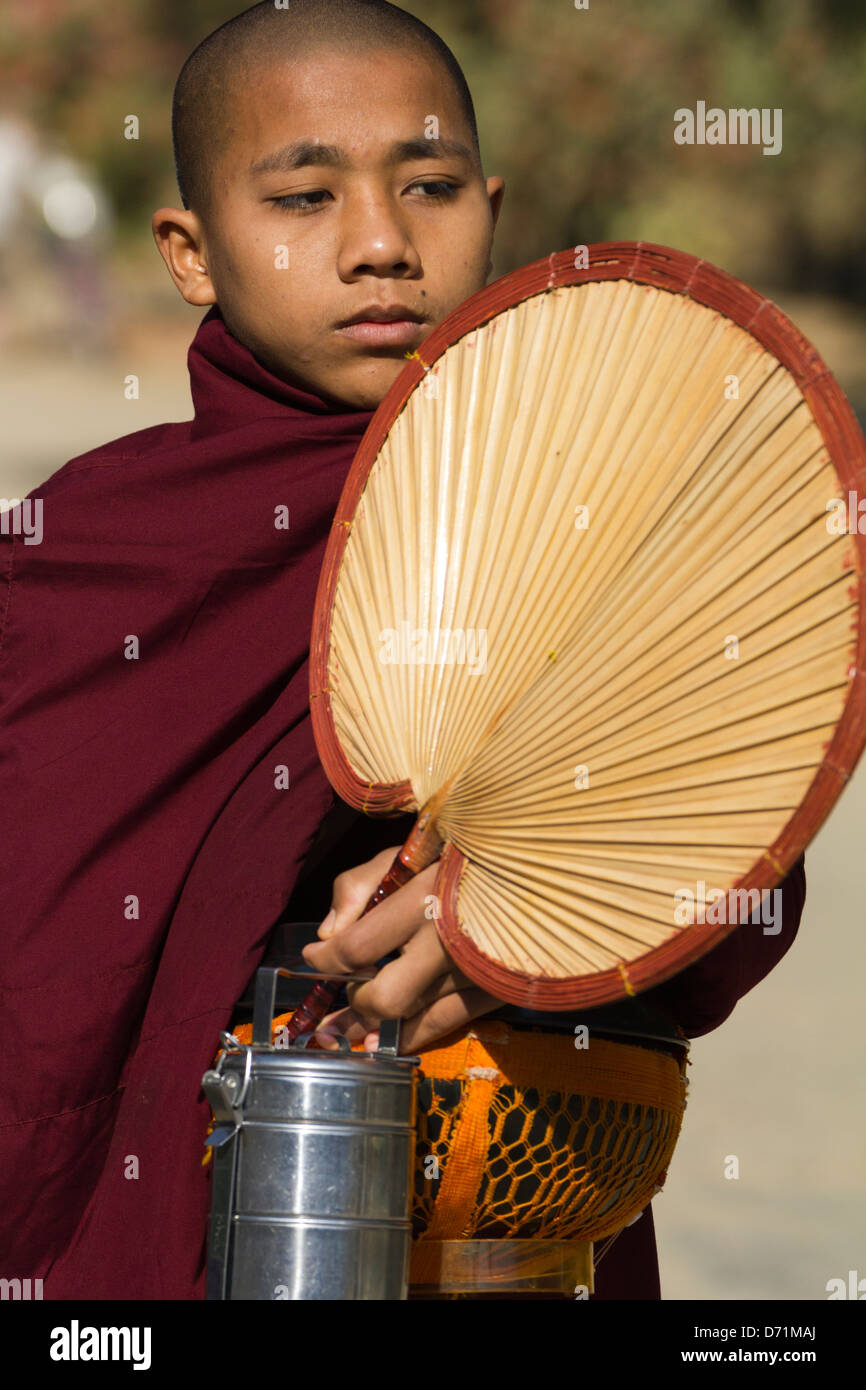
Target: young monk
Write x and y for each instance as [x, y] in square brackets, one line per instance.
[160, 785]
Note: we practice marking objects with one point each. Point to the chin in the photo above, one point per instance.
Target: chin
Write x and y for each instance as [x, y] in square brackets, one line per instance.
[368, 394]
[350, 398]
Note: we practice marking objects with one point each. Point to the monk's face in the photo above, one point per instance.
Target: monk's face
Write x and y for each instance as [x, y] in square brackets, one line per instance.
[332, 203]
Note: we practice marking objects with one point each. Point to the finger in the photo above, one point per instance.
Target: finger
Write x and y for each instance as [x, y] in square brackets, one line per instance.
[353, 889]
[404, 986]
[400, 995]
[345, 1022]
[379, 932]
[450, 983]
[444, 1017]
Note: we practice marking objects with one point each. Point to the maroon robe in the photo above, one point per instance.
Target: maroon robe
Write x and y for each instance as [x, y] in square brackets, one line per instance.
[153, 699]
[156, 779]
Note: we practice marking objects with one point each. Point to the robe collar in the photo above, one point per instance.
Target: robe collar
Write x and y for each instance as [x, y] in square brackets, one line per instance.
[230, 387]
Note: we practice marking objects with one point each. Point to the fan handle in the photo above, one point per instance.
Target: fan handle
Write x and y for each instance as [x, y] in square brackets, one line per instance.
[422, 847]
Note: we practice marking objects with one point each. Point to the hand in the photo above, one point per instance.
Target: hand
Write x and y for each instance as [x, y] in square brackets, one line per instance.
[422, 986]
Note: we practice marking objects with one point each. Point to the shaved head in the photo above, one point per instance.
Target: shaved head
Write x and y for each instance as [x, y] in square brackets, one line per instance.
[334, 204]
[233, 58]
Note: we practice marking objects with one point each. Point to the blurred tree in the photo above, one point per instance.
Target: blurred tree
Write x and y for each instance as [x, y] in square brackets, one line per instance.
[576, 110]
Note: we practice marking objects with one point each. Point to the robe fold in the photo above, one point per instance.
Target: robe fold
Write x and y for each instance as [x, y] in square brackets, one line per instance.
[159, 791]
[154, 704]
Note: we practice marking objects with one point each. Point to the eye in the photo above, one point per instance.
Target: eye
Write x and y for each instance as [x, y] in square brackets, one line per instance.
[441, 188]
[302, 202]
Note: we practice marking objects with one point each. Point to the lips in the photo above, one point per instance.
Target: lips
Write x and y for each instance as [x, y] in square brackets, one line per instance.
[383, 313]
[388, 325]
[397, 333]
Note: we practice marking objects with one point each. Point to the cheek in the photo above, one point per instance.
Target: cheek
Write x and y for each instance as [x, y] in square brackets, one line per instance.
[281, 273]
[469, 243]
[249, 256]
[463, 271]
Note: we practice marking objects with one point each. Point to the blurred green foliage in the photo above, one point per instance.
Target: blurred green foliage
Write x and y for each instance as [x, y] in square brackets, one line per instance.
[575, 110]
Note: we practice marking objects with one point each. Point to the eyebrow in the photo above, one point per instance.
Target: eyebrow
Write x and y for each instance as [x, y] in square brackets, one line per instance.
[301, 153]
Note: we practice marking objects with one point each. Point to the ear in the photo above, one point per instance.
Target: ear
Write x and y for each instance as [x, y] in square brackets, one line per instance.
[180, 241]
[495, 192]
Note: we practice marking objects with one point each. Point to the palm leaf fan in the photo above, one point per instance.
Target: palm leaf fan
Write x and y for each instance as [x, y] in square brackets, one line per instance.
[588, 605]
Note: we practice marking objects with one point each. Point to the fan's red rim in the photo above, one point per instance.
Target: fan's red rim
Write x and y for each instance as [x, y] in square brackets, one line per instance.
[662, 268]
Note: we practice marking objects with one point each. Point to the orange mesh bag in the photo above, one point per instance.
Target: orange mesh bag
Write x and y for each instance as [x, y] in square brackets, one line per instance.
[530, 1148]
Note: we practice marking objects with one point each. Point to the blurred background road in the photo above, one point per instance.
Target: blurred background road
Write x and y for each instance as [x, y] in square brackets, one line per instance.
[576, 111]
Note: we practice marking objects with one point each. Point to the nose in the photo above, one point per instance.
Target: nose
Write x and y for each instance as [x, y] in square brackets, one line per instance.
[376, 240]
